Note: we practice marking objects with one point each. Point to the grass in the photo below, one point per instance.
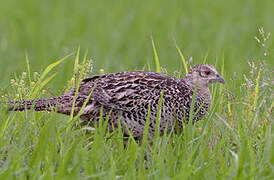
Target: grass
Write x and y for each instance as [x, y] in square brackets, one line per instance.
[234, 141]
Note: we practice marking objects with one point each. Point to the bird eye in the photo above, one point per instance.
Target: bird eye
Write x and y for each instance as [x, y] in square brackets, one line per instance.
[207, 72]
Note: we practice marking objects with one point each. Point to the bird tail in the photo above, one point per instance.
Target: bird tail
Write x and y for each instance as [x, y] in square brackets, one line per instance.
[38, 105]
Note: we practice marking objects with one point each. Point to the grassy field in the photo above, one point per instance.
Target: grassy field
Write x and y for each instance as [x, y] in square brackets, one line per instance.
[234, 141]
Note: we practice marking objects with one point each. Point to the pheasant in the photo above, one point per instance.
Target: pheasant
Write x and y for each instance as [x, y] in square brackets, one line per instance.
[125, 98]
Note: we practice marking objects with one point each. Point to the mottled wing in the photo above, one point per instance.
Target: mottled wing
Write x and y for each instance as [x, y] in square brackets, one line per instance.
[124, 91]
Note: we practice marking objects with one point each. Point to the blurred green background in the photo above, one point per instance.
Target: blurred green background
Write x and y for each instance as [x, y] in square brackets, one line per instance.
[117, 33]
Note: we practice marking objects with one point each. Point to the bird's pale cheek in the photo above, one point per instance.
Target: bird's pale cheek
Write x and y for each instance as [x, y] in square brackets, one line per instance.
[205, 83]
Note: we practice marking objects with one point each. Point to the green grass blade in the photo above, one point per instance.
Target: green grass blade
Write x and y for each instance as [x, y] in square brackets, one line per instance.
[28, 66]
[78, 83]
[64, 166]
[42, 84]
[76, 62]
[38, 86]
[190, 124]
[156, 58]
[42, 146]
[205, 58]
[181, 56]
[193, 101]
[84, 105]
[6, 124]
[257, 90]
[158, 116]
[146, 128]
[51, 66]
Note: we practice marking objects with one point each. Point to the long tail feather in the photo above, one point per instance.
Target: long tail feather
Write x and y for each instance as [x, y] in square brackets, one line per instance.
[37, 105]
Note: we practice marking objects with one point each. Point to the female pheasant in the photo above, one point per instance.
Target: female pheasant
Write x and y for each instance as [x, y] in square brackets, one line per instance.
[126, 97]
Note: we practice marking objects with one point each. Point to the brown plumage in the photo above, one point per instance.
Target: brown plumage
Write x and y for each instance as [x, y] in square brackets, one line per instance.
[128, 95]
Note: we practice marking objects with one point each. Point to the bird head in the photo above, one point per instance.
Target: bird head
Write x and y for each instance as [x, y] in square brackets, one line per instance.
[205, 74]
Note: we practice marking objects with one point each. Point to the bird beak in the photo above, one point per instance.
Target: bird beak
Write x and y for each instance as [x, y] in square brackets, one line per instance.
[220, 79]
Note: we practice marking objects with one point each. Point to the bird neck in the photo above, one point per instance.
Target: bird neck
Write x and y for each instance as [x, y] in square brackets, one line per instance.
[195, 81]
[202, 89]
